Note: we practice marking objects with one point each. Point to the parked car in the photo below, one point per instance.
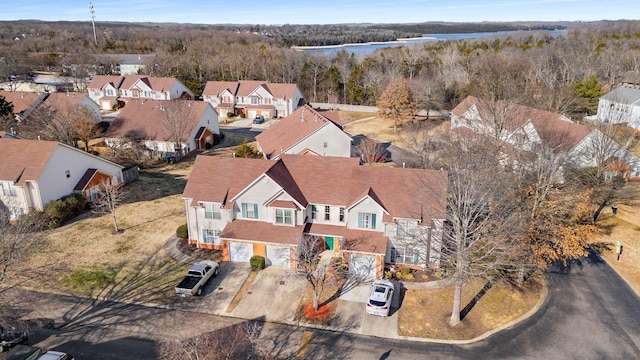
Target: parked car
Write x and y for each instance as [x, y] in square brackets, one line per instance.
[259, 119]
[198, 275]
[10, 337]
[55, 355]
[22, 352]
[379, 302]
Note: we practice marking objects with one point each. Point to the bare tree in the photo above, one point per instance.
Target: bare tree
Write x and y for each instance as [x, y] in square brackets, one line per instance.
[178, 121]
[16, 238]
[316, 272]
[479, 212]
[109, 199]
[370, 151]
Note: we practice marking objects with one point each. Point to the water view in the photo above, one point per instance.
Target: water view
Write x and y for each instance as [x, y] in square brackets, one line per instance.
[366, 48]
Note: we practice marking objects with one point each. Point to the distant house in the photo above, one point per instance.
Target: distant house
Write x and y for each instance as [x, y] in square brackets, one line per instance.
[104, 90]
[153, 88]
[368, 215]
[34, 173]
[251, 98]
[132, 64]
[524, 127]
[304, 132]
[65, 101]
[143, 122]
[620, 106]
[23, 102]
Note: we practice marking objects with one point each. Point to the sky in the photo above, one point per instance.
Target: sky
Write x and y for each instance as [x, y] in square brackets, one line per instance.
[270, 12]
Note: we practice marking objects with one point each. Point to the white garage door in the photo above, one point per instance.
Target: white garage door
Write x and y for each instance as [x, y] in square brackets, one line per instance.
[240, 252]
[362, 266]
[251, 114]
[278, 255]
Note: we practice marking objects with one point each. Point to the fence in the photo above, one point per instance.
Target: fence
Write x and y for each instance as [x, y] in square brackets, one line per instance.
[372, 109]
[130, 174]
[629, 213]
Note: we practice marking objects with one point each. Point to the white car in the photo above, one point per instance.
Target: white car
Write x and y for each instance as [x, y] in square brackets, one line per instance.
[55, 355]
[379, 302]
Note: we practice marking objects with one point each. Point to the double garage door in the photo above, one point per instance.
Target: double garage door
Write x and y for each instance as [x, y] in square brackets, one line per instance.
[275, 255]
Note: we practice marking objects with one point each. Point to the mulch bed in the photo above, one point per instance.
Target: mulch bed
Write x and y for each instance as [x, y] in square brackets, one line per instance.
[199, 253]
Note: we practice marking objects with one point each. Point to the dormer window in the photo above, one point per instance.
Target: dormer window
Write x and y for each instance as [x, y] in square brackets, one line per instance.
[284, 216]
[366, 220]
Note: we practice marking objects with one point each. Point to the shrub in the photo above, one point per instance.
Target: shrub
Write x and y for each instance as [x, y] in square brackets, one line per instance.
[408, 277]
[438, 275]
[231, 115]
[425, 277]
[182, 232]
[399, 275]
[257, 262]
[208, 145]
[217, 138]
[387, 275]
[66, 207]
[405, 271]
[36, 221]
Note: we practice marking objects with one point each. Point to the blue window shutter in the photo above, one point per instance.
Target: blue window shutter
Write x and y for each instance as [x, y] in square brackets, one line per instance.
[360, 220]
[204, 235]
[255, 211]
[416, 257]
[244, 210]
[373, 221]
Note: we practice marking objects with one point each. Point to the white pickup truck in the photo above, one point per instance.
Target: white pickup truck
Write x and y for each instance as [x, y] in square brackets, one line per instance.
[196, 278]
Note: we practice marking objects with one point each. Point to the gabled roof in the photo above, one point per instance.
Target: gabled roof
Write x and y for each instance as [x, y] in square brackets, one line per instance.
[63, 100]
[145, 118]
[215, 88]
[246, 87]
[291, 130]
[324, 180]
[24, 160]
[623, 95]
[100, 81]
[555, 130]
[155, 83]
[21, 100]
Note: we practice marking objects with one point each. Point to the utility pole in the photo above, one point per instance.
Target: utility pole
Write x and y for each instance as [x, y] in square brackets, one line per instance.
[93, 23]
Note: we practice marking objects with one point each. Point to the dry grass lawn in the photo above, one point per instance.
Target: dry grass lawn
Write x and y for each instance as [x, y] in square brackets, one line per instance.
[349, 116]
[375, 128]
[135, 260]
[425, 313]
[611, 230]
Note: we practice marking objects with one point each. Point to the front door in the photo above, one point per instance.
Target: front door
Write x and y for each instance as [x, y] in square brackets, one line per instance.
[328, 242]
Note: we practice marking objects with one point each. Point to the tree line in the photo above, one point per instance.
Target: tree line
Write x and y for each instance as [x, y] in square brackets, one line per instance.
[561, 73]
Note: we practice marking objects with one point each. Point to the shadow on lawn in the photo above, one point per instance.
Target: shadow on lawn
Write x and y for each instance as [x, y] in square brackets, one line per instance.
[475, 299]
[152, 185]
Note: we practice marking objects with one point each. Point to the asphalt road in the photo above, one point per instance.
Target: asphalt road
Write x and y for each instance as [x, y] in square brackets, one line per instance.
[590, 313]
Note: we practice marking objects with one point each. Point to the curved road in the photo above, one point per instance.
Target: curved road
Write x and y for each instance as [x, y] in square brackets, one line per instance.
[590, 313]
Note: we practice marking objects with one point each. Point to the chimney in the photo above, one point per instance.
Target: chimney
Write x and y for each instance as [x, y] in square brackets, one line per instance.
[403, 165]
[302, 116]
[38, 137]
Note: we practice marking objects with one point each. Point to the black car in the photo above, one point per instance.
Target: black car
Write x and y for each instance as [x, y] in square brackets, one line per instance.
[10, 337]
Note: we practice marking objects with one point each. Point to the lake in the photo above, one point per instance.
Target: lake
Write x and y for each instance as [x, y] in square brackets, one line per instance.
[366, 48]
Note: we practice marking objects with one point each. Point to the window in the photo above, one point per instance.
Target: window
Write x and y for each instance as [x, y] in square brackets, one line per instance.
[93, 193]
[110, 92]
[147, 93]
[341, 214]
[366, 220]
[212, 211]
[283, 216]
[255, 101]
[405, 228]
[405, 255]
[7, 189]
[327, 213]
[211, 236]
[249, 211]
[314, 212]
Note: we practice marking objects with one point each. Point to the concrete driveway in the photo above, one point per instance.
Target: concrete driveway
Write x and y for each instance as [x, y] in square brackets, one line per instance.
[220, 290]
[273, 296]
[351, 314]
